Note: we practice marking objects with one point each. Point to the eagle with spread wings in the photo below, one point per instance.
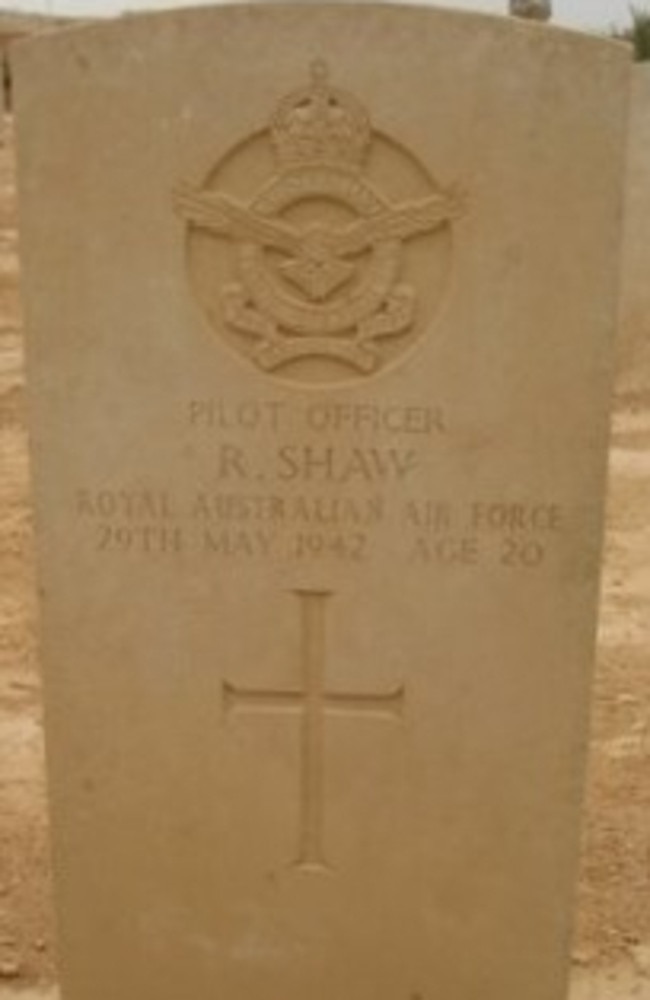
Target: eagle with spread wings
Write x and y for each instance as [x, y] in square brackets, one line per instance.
[317, 253]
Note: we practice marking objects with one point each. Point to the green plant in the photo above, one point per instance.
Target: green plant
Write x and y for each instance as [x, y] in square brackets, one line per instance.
[638, 34]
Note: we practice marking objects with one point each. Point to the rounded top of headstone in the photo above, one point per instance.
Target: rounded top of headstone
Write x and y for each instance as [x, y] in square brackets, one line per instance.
[532, 10]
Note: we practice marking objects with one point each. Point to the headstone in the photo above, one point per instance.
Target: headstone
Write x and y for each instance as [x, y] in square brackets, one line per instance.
[320, 306]
[532, 10]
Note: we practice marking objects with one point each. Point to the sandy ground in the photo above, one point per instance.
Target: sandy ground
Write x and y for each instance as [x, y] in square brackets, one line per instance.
[612, 946]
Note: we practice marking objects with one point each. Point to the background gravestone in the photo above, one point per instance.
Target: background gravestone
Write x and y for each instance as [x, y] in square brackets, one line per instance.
[320, 351]
[533, 10]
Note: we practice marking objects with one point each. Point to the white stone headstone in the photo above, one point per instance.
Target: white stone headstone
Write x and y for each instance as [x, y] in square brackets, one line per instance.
[320, 304]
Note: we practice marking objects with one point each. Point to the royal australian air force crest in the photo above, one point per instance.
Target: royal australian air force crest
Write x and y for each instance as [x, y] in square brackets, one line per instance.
[319, 247]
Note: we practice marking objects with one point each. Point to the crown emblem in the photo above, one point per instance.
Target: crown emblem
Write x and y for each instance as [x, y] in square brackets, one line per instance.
[308, 272]
[320, 123]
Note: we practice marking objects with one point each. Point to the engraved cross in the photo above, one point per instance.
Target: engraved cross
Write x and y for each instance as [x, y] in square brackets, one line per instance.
[312, 703]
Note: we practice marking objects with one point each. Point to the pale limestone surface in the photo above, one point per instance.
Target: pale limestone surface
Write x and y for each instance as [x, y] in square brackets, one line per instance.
[320, 354]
